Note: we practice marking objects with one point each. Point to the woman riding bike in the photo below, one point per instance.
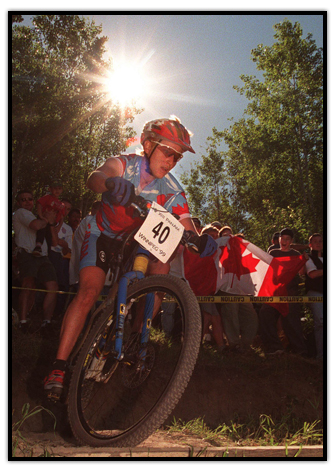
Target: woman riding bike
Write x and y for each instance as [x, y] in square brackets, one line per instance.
[164, 141]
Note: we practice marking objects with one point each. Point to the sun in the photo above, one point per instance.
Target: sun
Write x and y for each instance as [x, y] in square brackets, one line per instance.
[125, 84]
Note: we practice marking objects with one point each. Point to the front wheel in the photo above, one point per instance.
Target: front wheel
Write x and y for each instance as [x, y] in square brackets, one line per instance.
[121, 403]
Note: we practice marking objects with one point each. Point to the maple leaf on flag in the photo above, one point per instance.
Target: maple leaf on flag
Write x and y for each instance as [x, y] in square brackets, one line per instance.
[233, 262]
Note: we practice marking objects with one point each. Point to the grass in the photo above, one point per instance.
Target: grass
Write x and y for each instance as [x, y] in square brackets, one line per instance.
[261, 432]
[20, 446]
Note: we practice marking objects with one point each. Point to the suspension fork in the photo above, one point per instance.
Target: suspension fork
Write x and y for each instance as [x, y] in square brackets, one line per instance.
[139, 269]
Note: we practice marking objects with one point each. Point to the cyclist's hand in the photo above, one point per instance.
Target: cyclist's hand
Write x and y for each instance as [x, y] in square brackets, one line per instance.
[121, 191]
[207, 245]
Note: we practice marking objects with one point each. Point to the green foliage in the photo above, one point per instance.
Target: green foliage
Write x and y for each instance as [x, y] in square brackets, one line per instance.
[19, 443]
[207, 186]
[272, 174]
[64, 122]
[261, 431]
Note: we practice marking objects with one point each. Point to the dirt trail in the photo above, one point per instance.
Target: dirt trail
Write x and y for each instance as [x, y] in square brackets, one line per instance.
[237, 388]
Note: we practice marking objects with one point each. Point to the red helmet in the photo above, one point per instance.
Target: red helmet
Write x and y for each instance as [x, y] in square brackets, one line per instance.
[168, 129]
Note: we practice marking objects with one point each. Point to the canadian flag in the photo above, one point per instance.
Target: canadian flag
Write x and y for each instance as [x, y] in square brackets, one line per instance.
[240, 267]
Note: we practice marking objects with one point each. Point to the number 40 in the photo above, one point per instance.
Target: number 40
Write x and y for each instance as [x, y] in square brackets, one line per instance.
[161, 233]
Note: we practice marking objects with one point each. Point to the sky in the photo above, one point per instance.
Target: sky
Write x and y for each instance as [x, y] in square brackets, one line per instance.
[190, 63]
[193, 61]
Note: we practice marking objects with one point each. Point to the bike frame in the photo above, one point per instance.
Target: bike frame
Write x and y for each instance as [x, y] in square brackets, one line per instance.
[122, 307]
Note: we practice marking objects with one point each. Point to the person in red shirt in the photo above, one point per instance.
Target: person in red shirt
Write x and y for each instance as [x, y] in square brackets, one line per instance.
[48, 203]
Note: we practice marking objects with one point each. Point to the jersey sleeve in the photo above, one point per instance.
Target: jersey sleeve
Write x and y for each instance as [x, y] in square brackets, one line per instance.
[121, 163]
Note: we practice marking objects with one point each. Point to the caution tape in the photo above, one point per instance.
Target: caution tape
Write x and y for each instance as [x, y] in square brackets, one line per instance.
[248, 299]
[216, 299]
[42, 290]
[100, 298]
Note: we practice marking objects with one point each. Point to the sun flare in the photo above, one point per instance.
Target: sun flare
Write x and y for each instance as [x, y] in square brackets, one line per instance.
[125, 84]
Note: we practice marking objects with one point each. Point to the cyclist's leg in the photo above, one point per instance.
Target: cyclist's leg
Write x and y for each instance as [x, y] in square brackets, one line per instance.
[92, 274]
[91, 282]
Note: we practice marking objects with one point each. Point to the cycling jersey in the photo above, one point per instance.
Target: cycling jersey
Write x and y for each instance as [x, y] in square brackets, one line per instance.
[167, 192]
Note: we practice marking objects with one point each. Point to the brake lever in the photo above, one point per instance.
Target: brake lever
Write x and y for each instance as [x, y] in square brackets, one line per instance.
[141, 213]
[192, 248]
[141, 206]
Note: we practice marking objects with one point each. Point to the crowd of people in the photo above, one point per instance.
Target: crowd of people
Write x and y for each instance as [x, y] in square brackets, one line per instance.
[240, 323]
[59, 250]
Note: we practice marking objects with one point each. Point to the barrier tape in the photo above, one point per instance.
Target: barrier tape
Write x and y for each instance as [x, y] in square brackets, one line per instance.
[218, 299]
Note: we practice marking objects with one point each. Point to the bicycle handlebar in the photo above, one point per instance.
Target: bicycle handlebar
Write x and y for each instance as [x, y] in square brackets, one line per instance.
[142, 208]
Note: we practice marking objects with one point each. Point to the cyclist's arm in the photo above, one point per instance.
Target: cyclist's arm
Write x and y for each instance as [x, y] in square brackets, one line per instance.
[111, 168]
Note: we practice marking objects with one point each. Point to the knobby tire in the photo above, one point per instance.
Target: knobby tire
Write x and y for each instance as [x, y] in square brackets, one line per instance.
[138, 396]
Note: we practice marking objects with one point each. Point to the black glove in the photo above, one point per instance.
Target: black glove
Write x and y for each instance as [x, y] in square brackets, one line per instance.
[206, 245]
[121, 191]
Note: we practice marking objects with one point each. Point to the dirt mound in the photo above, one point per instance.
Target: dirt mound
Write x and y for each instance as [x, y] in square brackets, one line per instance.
[228, 388]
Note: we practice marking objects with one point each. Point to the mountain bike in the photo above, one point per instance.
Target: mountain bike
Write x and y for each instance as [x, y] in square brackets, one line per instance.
[126, 381]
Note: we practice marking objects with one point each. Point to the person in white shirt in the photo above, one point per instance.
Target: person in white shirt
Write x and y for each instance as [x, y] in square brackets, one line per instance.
[314, 287]
[25, 225]
[60, 255]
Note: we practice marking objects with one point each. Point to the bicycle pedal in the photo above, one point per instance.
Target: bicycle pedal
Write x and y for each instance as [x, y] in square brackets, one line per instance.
[54, 397]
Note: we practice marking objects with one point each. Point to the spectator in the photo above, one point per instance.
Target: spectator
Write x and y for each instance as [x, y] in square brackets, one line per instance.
[49, 202]
[275, 242]
[300, 246]
[197, 224]
[210, 230]
[59, 256]
[33, 269]
[268, 315]
[239, 321]
[210, 315]
[216, 224]
[74, 219]
[314, 287]
[224, 231]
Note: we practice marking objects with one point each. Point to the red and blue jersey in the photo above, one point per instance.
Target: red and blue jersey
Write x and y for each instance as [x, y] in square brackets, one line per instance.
[114, 219]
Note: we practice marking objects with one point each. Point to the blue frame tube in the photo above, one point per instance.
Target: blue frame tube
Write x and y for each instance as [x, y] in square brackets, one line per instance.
[121, 308]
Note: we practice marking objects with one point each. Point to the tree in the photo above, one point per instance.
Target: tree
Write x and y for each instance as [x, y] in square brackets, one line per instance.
[271, 174]
[275, 156]
[64, 122]
[207, 186]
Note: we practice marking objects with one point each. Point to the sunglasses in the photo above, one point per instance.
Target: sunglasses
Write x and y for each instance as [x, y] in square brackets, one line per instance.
[25, 199]
[168, 151]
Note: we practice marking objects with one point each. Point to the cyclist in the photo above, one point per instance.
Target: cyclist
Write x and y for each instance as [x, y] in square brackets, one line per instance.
[164, 141]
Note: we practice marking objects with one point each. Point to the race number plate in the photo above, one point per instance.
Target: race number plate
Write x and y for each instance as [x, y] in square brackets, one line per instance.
[160, 233]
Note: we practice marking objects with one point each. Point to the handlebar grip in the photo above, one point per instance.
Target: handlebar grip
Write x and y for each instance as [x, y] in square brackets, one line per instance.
[191, 241]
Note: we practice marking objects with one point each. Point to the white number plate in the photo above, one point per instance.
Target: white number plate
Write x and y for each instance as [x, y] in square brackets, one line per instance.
[160, 233]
